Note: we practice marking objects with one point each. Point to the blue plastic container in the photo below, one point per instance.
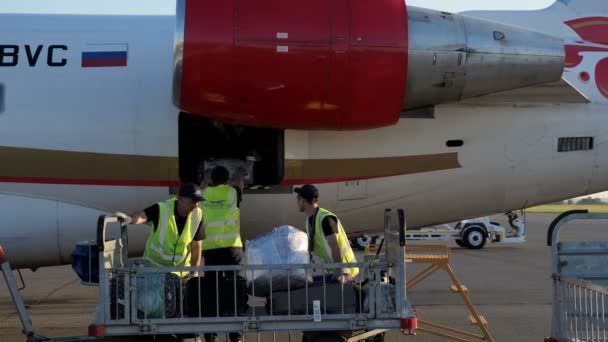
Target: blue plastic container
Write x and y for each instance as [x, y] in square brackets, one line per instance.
[85, 262]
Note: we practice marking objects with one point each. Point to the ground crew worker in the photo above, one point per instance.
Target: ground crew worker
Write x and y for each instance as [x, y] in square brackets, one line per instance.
[328, 243]
[177, 232]
[222, 243]
[327, 240]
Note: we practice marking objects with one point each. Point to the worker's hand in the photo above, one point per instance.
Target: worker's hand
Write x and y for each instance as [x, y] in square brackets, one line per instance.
[344, 278]
[341, 277]
[123, 218]
[194, 274]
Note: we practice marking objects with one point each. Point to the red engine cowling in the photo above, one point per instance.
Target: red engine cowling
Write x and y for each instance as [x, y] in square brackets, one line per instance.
[315, 64]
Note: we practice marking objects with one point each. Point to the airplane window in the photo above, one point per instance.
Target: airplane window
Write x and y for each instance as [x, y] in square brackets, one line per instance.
[575, 144]
[1, 98]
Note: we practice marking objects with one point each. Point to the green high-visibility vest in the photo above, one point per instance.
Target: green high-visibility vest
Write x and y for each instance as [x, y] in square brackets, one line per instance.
[221, 218]
[321, 248]
[165, 246]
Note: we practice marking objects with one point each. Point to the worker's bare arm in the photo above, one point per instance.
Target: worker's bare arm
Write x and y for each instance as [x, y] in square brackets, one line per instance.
[196, 248]
[139, 218]
[332, 241]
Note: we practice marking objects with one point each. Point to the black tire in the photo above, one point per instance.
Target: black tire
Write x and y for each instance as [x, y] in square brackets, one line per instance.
[166, 338]
[311, 336]
[376, 338]
[475, 237]
[461, 243]
[329, 337]
[154, 338]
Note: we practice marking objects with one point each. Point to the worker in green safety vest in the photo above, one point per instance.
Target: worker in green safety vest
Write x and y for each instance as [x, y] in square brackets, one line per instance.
[327, 240]
[177, 233]
[222, 244]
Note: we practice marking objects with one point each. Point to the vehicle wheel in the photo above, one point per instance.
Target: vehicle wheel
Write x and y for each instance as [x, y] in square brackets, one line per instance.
[328, 337]
[376, 338]
[166, 338]
[361, 242]
[461, 243]
[475, 237]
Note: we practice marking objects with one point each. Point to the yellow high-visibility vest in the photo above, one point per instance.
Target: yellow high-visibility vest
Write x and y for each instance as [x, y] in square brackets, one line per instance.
[321, 248]
[221, 218]
[165, 246]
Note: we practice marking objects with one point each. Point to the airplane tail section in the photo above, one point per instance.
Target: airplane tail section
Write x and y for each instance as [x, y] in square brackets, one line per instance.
[586, 67]
[584, 8]
[583, 24]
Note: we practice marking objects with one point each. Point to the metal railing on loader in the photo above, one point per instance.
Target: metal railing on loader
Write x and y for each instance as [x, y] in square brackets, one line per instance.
[580, 280]
[131, 293]
[28, 329]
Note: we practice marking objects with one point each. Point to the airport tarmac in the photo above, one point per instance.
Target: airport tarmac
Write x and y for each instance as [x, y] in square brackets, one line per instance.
[509, 285]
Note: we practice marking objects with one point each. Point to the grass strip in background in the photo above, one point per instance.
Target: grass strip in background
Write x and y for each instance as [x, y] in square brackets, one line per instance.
[557, 208]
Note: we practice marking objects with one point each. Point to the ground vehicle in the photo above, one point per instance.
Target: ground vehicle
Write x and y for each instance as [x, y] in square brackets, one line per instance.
[473, 233]
[580, 278]
[119, 314]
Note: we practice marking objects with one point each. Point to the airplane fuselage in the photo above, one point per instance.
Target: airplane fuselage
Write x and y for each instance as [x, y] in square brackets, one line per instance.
[77, 141]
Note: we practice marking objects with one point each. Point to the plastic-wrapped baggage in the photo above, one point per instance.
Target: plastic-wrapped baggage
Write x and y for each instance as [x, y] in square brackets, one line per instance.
[285, 245]
[158, 292]
[385, 298]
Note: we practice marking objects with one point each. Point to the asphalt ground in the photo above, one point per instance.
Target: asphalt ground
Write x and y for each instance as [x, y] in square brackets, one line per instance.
[510, 285]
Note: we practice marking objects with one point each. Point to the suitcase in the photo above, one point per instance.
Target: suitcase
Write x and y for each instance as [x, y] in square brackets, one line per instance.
[206, 293]
[282, 301]
[162, 292]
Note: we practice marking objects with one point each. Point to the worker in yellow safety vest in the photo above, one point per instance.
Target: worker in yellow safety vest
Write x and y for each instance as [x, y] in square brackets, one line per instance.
[327, 240]
[177, 233]
[222, 244]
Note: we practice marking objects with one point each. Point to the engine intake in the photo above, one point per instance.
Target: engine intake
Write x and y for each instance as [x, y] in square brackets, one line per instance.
[343, 64]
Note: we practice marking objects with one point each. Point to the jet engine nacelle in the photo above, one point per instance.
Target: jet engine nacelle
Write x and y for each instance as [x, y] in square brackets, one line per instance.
[38, 232]
[344, 64]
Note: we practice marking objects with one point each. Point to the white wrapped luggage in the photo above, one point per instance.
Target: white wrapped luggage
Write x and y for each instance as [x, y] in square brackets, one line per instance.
[285, 245]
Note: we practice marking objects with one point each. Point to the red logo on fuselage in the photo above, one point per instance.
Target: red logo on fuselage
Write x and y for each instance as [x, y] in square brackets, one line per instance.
[594, 32]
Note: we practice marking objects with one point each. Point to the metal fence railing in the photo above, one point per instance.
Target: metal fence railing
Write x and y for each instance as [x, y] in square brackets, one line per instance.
[139, 298]
[580, 276]
[582, 310]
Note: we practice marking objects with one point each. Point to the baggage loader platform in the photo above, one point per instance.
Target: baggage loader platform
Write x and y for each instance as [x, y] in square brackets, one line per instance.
[137, 299]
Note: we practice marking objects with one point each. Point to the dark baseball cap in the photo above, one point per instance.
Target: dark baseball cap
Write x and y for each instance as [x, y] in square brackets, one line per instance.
[191, 191]
[307, 192]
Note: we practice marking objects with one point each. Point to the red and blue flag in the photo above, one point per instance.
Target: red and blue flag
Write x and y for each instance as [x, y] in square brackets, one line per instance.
[105, 55]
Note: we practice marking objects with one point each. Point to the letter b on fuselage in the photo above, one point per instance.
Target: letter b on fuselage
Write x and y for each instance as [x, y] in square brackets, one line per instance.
[9, 55]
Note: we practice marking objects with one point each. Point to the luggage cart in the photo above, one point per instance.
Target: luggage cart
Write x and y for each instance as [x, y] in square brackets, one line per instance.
[580, 280]
[367, 307]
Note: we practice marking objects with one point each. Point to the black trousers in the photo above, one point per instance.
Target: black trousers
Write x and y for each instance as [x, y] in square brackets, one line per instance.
[223, 257]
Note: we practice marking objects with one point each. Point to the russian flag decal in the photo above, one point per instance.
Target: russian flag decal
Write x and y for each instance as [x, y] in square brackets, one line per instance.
[104, 55]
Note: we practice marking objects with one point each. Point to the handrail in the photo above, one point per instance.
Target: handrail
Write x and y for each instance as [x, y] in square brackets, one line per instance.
[558, 222]
[102, 223]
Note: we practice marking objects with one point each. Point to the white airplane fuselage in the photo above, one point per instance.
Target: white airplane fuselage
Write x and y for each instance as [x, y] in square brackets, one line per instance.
[65, 131]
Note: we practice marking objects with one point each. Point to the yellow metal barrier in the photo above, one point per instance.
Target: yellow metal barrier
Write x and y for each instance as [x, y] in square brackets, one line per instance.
[438, 257]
